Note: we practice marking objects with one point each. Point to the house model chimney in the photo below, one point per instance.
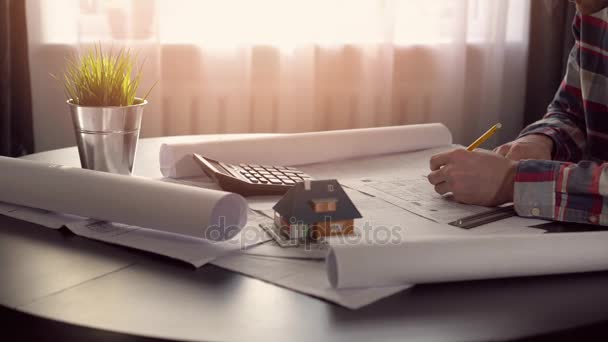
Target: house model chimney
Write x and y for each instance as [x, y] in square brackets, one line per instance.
[307, 184]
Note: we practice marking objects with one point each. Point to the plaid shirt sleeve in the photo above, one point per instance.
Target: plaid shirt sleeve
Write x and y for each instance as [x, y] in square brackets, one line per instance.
[562, 191]
[564, 121]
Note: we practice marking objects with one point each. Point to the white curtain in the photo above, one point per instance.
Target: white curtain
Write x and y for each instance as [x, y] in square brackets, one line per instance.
[294, 65]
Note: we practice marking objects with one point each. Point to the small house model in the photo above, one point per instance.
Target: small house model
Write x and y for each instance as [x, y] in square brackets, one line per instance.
[315, 209]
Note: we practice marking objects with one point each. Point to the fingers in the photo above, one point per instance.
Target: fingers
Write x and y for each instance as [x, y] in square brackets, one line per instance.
[441, 159]
[437, 176]
[438, 160]
[442, 188]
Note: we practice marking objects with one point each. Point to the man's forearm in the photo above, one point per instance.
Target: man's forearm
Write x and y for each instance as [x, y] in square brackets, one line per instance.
[568, 139]
[565, 120]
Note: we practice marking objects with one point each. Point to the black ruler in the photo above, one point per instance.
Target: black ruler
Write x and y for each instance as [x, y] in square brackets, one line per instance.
[484, 218]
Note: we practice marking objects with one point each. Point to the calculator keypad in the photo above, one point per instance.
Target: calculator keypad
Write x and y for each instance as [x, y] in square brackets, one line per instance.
[268, 174]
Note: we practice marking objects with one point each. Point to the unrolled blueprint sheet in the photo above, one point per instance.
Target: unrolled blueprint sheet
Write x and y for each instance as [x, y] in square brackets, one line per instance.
[415, 194]
[298, 270]
[194, 251]
[399, 179]
[305, 276]
[383, 222]
[379, 217]
[380, 209]
[303, 271]
[313, 251]
[41, 217]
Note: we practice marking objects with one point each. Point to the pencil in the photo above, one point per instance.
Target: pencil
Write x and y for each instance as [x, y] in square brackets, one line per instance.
[484, 137]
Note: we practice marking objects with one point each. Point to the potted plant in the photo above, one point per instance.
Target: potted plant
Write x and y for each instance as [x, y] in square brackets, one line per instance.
[101, 94]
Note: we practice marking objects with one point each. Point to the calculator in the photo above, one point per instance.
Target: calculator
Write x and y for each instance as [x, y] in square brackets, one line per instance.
[251, 179]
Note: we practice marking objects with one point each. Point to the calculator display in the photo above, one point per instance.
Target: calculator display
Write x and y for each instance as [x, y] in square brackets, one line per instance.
[218, 166]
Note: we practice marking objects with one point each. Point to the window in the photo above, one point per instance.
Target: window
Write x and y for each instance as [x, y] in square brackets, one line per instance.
[230, 23]
[324, 205]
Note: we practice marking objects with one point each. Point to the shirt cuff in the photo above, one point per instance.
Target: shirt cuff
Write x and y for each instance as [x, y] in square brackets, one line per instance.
[540, 191]
[534, 190]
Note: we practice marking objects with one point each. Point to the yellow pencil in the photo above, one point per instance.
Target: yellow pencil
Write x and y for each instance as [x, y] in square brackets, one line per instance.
[484, 137]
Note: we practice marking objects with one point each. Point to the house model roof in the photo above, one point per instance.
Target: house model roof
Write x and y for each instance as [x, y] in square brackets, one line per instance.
[296, 204]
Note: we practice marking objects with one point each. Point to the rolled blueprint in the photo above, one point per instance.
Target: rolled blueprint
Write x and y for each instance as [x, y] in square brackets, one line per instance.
[303, 148]
[175, 208]
[456, 258]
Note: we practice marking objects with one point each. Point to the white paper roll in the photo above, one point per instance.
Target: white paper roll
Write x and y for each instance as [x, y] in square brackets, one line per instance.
[175, 208]
[457, 258]
[303, 148]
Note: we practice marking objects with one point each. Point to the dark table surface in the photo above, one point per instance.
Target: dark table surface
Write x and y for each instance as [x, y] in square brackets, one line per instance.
[54, 282]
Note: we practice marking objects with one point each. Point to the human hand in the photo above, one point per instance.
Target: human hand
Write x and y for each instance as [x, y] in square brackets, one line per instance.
[480, 177]
[533, 146]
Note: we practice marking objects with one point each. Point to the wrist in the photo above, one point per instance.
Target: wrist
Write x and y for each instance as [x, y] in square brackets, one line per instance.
[508, 184]
[544, 141]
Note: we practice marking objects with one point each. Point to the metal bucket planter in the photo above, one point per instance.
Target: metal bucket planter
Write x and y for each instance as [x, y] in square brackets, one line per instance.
[107, 136]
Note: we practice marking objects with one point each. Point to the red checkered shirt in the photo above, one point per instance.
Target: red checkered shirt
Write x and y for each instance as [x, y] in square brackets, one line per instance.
[573, 187]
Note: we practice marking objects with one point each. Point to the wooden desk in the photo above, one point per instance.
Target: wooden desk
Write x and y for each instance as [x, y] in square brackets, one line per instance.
[57, 275]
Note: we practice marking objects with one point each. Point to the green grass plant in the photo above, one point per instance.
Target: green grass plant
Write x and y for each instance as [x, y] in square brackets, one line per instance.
[103, 79]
